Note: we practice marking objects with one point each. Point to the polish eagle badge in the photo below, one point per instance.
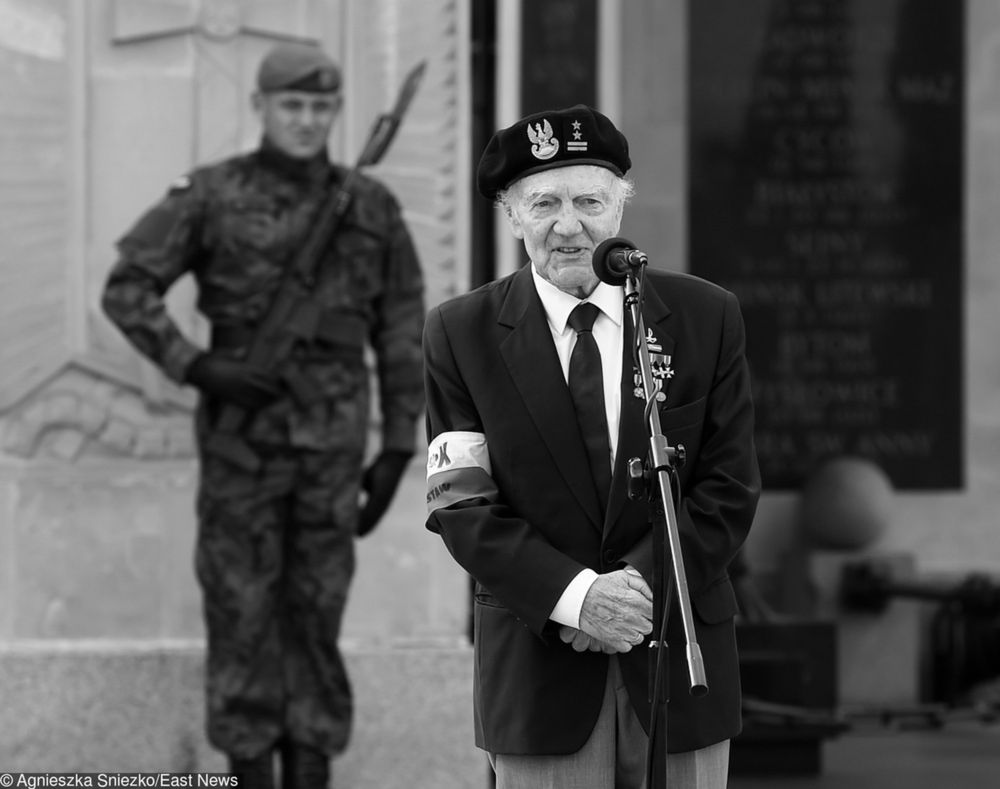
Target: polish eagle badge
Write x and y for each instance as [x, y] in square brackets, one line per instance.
[543, 144]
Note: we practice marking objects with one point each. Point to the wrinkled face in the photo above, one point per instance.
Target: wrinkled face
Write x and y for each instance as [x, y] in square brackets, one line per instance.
[562, 215]
[297, 122]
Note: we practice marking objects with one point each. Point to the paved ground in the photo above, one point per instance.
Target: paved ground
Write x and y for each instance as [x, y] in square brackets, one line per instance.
[958, 756]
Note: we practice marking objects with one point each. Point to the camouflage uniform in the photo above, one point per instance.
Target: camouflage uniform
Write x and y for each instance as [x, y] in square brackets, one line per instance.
[275, 550]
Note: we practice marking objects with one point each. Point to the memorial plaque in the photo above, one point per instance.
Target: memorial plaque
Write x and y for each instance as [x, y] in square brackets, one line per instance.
[826, 192]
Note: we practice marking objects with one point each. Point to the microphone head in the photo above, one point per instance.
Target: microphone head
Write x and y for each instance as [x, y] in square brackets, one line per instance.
[605, 267]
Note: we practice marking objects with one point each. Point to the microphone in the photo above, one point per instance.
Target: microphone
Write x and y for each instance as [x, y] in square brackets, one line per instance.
[615, 259]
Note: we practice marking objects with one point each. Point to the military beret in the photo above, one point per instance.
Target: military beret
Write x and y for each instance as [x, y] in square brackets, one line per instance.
[302, 67]
[558, 138]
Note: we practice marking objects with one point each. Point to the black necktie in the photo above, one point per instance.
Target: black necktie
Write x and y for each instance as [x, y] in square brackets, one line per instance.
[586, 386]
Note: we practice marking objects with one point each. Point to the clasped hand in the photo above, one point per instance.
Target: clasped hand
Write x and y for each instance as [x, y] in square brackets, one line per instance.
[616, 615]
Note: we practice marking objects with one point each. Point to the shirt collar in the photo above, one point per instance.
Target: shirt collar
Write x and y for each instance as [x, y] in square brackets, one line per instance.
[559, 304]
[315, 169]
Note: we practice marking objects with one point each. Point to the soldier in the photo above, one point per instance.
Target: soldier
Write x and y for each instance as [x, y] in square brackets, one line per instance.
[275, 552]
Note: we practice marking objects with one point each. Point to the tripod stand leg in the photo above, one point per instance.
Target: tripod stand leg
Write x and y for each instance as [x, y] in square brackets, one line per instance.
[659, 659]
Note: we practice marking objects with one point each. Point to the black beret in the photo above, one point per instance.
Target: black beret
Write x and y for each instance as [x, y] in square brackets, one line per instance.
[558, 138]
[302, 67]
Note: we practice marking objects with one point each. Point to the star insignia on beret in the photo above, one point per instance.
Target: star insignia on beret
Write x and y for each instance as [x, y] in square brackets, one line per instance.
[577, 144]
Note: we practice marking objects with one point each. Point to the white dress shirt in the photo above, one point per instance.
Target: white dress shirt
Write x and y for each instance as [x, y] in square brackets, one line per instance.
[609, 337]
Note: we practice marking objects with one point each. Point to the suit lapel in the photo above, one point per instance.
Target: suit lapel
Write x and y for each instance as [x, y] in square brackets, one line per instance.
[534, 367]
[633, 431]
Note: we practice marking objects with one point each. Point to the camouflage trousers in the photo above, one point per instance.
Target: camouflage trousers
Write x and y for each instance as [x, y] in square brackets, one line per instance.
[275, 557]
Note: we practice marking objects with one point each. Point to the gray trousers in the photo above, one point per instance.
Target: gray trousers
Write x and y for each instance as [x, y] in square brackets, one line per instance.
[614, 757]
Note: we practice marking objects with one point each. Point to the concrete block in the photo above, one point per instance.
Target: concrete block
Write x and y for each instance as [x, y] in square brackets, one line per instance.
[107, 706]
[879, 654]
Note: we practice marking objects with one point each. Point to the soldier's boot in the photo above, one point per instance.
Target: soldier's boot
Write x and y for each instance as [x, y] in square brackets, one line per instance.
[256, 772]
[303, 767]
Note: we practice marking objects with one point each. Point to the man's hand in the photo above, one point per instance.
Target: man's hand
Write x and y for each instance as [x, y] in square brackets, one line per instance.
[581, 642]
[246, 385]
[380, 481]
[618, 609]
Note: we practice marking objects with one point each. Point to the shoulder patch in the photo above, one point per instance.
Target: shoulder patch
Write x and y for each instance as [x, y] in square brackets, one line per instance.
[179, 184]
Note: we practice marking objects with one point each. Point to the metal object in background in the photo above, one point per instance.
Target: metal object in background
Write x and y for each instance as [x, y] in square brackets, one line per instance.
[964, 637]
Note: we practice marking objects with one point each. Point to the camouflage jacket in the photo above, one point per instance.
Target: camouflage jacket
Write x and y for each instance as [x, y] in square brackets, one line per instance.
[236, 226]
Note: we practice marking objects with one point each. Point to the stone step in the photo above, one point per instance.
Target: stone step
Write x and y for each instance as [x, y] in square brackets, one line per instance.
[113, 706]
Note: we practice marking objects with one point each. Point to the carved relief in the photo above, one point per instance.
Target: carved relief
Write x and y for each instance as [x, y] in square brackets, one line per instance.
[147, 20]
[80, 414]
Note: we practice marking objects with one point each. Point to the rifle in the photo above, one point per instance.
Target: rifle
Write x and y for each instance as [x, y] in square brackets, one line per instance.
[293, 316]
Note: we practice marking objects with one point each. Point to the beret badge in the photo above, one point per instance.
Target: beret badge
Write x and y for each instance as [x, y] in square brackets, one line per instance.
[544, 145]
[327, 79]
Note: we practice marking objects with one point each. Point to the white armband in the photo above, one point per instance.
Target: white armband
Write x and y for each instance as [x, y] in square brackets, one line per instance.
[458, 468]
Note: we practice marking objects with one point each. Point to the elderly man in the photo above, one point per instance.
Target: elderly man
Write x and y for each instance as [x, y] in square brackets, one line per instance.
[527, 476]
[275, 552]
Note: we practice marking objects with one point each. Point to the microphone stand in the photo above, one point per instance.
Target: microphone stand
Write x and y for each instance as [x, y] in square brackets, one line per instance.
[668, 576]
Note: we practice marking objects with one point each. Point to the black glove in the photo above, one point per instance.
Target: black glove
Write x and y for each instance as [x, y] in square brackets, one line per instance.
[234, 381]
[380, 481]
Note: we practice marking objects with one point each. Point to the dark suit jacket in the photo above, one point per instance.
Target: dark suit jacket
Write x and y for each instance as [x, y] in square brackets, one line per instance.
[526, 529]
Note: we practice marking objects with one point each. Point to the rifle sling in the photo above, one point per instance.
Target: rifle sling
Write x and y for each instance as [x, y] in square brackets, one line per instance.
[303, 268]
